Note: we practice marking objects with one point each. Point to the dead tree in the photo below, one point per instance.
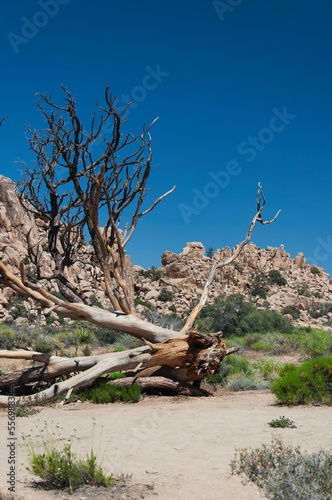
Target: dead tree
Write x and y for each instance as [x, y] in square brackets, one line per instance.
[69, 188]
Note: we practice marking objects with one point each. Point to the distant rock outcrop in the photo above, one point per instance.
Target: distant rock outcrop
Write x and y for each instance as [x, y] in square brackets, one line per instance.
[184, 275]
[181, 275]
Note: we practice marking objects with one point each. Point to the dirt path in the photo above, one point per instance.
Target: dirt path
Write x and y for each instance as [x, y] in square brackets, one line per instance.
[181, 446]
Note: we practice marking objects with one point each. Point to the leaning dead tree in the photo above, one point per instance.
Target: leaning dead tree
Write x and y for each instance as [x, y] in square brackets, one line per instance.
[74, 183]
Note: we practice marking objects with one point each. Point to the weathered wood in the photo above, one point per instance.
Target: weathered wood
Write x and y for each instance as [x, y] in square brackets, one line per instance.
[161, 384]
[118, 320]
[192, 358]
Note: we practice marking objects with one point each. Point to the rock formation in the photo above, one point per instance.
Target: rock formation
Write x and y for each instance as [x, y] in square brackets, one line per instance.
[181, 275]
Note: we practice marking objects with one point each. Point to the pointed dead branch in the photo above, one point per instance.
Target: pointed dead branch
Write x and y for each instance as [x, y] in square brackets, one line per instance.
[260, 199]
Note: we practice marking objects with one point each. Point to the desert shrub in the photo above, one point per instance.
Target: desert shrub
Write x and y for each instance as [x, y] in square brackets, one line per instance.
[67, 338]
[269, 367]
[310, 382]
[17, 308]
[106, 336]
[62, 468]
[143, 303]
[153, 273]
[172, 308]
[44, 345]
[294, 311]
[7, 337]
[224, 314]
[286, 473]
[312, 343]
[103, 393]
[263, 322]
[275, 343]
[95, 302]
[315, 270]
[275, 278]
[282, 422]
[237, 374]
[229, 366]
[320, 309]
[259, 284]
[209, 252]
[25, 410]
[243, 382]
[83, 336]
[166, 296]
[259, 346]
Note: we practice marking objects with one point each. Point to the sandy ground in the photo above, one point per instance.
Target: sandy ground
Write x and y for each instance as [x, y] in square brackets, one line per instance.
[180, 446]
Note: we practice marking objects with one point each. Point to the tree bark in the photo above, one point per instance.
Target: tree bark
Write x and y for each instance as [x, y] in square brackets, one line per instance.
[192, 358]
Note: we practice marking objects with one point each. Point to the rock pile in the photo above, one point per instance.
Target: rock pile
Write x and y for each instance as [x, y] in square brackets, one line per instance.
[178, 283]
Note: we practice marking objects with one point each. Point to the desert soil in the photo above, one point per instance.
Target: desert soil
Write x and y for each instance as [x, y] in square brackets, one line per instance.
[173, 448]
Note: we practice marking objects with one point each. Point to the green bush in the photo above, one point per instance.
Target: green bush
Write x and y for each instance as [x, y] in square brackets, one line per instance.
[286, 473]
[275, 343]
[259, 284]
[310, 382]
[224, 314]
[318, 310]
[230, 366]
[106, 336]
[313, 343]
[44, 346]
[259, 346]
[315, 270]
[7, 337]
[62, 469]
[294, 311]
[245, 382]
[95, 302]
[153, 273]
[269, 367]
[237, 374]
[264, 321]
[166, 296]
[275, 278]
[282, 422]
[209, 253]
[103, 393]
[143, 303]
[16, 307]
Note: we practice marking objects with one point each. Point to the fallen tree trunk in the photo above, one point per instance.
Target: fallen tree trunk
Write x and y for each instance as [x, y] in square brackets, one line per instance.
[185, 356]
[191, 358]
[161, 384]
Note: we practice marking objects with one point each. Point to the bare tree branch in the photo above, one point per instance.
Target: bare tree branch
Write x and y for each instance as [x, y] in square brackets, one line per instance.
[73, 182]
[260, 199]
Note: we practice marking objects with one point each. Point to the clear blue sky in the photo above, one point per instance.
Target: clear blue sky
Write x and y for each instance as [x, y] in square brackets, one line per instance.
[243, 95]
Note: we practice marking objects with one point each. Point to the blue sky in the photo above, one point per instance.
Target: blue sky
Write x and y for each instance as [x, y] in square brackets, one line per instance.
[243, 94]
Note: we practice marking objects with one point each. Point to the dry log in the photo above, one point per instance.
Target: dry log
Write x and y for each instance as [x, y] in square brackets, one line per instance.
[192, 358]
[161, 384]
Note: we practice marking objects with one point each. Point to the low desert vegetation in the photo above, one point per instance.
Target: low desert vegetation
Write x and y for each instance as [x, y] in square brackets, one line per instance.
[311, 382]
[282, 422]
[263, 331]
[61, 466]
[284, 472]
[103, 392]
[237, 374]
